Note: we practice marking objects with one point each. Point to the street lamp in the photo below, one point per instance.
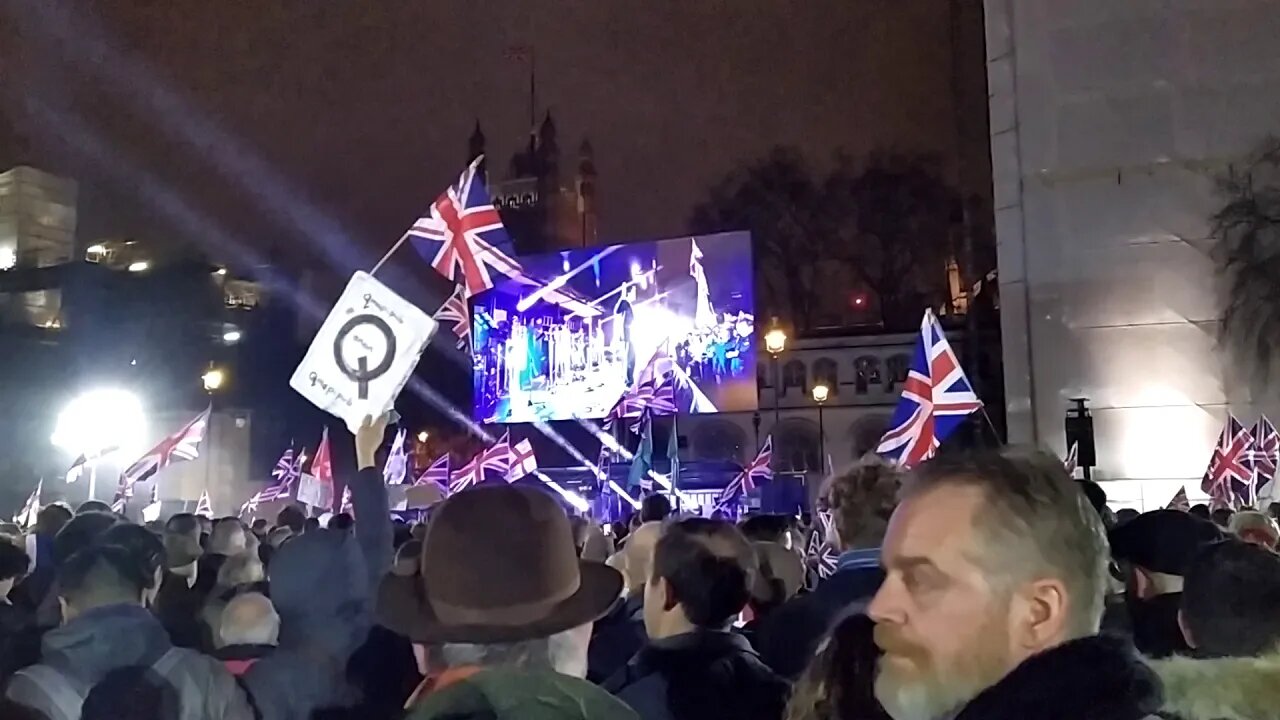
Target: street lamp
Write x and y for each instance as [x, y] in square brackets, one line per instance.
[775, 341]
[820, 394]
[213, 379]
[422, 436]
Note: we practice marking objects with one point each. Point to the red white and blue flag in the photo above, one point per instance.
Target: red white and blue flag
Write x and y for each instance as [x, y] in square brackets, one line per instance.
[397, 465]
[654, 393]
[493, 459]
[204, 506]
[1230, 476]
[746, 480]
[820, 552]
[1266, 457]
[288, 470]
[182, 445]
[1179, 501]
[455, 310]
[463, 237]
[437, 473]
[935, 399]
[523, 461]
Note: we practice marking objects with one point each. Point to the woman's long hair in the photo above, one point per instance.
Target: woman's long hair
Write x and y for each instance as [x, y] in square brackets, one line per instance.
[839, 683]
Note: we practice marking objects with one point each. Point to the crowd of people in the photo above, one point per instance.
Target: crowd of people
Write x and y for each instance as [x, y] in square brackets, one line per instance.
[981, 585]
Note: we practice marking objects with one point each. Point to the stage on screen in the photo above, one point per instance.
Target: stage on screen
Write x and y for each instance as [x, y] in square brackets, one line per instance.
[569, 339]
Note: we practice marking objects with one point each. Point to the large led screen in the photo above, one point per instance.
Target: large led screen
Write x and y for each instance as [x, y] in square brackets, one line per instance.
[579, 329]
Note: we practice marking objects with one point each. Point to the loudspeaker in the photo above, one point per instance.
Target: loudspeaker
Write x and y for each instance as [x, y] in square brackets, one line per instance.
[1079, 429]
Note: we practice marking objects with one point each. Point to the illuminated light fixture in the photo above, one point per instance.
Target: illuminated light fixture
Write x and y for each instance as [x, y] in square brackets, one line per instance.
[231, 337]
[775, 341]
[139, 266]
[98, 249]
[820, 393]
[101, 421]
[213, 379]
[8, 258]
[422, 436]
[220, 271]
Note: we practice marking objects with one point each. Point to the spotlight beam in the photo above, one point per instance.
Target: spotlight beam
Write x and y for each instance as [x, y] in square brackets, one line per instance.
[559, 282]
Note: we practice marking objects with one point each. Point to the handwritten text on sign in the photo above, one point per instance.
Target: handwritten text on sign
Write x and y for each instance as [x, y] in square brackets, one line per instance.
[364, 352]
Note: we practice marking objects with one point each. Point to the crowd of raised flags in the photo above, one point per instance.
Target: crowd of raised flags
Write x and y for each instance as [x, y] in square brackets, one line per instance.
[1242, 469]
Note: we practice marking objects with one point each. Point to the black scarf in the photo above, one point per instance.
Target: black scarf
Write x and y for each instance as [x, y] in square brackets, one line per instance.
[1095, 678]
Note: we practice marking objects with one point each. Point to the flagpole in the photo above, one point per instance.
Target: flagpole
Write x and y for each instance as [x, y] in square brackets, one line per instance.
[991, 426]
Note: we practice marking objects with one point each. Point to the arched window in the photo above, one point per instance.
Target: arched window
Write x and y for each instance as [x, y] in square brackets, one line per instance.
[827, 371]
[898, 365]
[866, 373]
[794, 375]
[865, 434]
[718, 440]
[797, 446]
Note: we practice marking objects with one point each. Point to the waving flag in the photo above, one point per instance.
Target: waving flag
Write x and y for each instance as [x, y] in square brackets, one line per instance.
[603, 463]
[495, 459]
[436, 474]
[204, 506]
[288, 470]
[1180, 501]
[523, 461]
[397, 465]
[463, 236]
[455, 310]
[182, 445]
[654, 392]
[151, 512]
[935, 399]
[1230, 475]
[819, 551]
[745, 482]
[26, 517]
[642, 461]
[1266, 457]
[1073, 460]
[321, 474]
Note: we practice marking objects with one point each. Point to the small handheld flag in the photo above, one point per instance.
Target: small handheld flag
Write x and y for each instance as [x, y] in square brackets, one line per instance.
[1180, 501]
[26, 517]
[745, 482]
[204, 507]
[1230, 475]
[523, 461]
[397, 465]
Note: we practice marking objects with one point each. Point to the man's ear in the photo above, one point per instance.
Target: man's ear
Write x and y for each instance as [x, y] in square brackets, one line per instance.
[1186, 633]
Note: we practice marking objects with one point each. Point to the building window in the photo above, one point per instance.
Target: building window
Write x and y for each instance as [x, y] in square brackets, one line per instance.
[827, 372]
[796, 443]
[794, 375]
[898, 366]
[866, 373]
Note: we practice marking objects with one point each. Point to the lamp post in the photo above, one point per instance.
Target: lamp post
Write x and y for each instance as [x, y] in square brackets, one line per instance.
[775, 342]
[820, 394]
[213, 379]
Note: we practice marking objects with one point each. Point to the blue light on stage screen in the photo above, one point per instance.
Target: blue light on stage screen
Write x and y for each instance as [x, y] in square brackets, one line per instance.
[567, 340]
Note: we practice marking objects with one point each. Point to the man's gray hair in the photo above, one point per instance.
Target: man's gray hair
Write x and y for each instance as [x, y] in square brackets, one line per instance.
[1036, 523]
[249, 619]
[561, 652]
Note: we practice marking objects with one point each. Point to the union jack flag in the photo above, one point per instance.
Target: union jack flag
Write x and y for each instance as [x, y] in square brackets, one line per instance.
[820, 552]
[437, 473]
[1073, 460]
[1230, 475]
[495, 458]
[1180, 501]
[935, 399]
[1266, 456]
[745, 482]
[288, 470]
[26, 517]
[182, 445]
[455, 310]
[397, 465]
[204, 507]
[654, 392]
[463, 236]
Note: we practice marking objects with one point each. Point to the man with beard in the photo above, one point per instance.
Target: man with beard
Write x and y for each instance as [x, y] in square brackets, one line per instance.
[996, 566]
[1154, 550]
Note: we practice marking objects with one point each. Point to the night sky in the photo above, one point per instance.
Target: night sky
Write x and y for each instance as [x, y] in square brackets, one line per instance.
[273, 122]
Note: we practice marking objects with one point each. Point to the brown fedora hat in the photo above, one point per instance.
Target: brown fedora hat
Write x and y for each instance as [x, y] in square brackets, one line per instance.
[498, 565]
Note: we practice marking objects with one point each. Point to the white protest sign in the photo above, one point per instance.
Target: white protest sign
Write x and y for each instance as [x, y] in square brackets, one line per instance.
[313, 492]
[364, 352]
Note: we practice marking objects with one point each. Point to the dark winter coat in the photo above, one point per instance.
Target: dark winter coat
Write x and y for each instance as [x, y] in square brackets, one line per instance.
[77, 655]
[19, 639]
[237, 659]
[616, 638]
[1220, 688]
[322, 585]
[701, 675]
[1155, 628]
[178, 606]
[1095, 678]
[790, 636]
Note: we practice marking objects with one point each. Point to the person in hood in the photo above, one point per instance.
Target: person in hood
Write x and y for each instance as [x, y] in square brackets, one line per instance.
[861, 500]
[996, 569]
[321, 584]
[694, 666]
[1153, 551]
[511, 612]
[1230, 621]
[105, 628]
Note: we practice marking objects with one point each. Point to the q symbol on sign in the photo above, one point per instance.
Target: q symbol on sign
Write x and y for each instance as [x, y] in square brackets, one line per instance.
[361, 374]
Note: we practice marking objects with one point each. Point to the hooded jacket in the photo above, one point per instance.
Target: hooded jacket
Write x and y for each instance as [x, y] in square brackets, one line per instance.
[1220, 688]
[77, 655]
[322, 586]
